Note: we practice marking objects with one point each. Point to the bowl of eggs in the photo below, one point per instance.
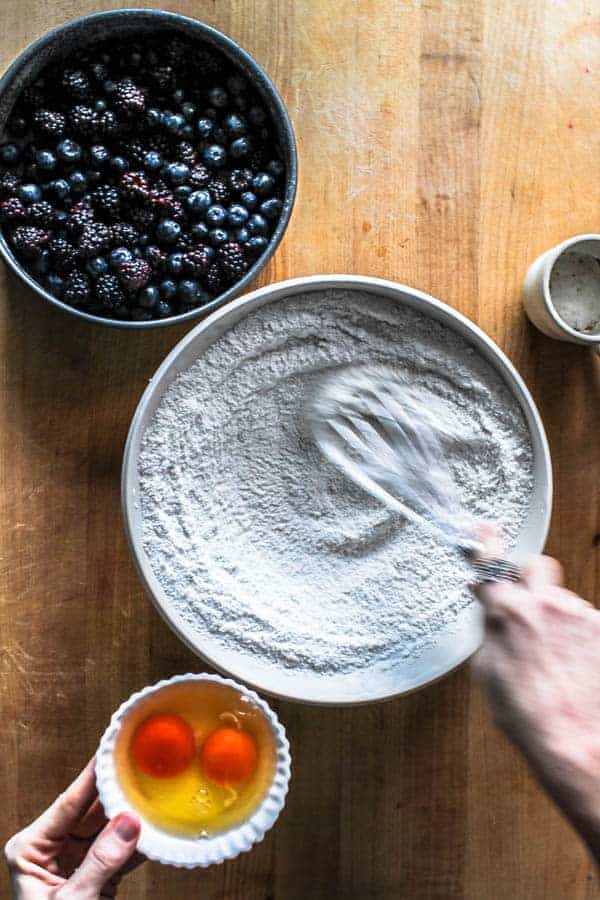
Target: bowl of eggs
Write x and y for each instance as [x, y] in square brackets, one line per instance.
[202, 761]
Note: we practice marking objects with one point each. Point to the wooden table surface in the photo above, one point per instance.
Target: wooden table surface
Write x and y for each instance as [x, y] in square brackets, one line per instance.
[442, 144]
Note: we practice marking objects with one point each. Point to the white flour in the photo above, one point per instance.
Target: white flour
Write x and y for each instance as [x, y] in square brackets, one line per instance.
[260, 543]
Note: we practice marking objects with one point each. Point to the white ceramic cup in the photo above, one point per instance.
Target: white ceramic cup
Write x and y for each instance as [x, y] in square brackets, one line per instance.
[537, 297]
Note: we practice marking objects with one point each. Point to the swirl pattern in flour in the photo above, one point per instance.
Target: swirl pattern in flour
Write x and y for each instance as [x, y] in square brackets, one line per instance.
[260, 543]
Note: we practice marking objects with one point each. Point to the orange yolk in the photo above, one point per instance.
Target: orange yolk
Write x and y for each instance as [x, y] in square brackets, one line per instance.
[228, 756]
[163, 746]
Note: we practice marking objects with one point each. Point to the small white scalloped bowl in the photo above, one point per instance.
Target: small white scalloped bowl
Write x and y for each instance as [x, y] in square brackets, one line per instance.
[183, 850]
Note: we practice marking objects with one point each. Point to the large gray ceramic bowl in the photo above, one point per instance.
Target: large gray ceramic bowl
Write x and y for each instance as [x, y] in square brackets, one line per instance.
[97, 27]
[456, 642]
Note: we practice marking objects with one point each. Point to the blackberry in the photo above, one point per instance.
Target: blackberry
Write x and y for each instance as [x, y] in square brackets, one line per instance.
[215, 280]
[28, 240]
[41, 213]
[142, 217]
[76, 84]
[32, 97]
[135, 150]
[107, 200]
[107, 124]
[232, 261]
[199, 176]
[207, 63]
[240, 179]
[48, 123]
[166, 205]
[220, 190]
[163, 77]
[185, 152]
[84, 121]
[77, 289]
[135, 185]
[198, 260]
[63, 254]
[94, 239]
[12, 210]
[8, 184]
[176, 51]
[109, 291]
[134, 274]
[124, 235]
[129, 99]
[156, 257]
[81, 214]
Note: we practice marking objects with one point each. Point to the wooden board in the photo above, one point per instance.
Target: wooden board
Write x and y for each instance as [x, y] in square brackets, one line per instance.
[443, 143]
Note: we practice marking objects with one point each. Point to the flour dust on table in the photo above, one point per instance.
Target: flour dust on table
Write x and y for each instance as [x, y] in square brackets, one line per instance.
[261, 544]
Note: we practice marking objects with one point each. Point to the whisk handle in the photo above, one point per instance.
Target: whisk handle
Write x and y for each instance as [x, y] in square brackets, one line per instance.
[489, 570]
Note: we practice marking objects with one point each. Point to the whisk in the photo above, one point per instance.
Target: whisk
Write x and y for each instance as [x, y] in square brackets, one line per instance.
[387, 438]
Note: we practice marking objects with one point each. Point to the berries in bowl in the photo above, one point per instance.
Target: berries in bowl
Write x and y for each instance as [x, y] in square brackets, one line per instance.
[147, 168]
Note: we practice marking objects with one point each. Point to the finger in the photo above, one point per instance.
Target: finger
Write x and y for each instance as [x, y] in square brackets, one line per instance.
[111, 850]
[540, 572]
[91, 823]
[56, 822]
[491, 536]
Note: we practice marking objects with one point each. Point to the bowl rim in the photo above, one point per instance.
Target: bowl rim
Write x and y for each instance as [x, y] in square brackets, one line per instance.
[234, 51]
[186, 851]
[466, 328]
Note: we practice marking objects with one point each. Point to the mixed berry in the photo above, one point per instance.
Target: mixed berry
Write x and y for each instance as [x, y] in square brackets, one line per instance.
[140, 180]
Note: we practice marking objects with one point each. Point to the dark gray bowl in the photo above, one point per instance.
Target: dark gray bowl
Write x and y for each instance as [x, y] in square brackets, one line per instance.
[99, 26]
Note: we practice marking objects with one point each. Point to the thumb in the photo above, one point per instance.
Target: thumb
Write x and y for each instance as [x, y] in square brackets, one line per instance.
[112, 848]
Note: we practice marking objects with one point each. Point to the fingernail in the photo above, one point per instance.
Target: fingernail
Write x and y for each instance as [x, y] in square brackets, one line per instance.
[126, 827]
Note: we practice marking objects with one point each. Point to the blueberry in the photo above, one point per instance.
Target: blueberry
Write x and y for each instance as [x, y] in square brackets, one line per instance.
[218, 236]
[135, 58]
[235, 125]
[275, 168]
[214, 156]
[188, 110]
[257, 115]
[78, 181]
[119, 256]
[242, 235]
[45, 160]
[168, 289]
[55, 284]
[216, 215]
[236, 84]
[218, 97]
[163, 310]
[9, 154]
[240, 147]
[257, 224]
[153, 160]
[99, 155]
[69, 151]
[144, 239]
[175, 263]
[211, 114]
[263, 184]
[240, 102]
[97, 266]
[100, 106]
[179, 96]
[199, 231]
[198, 202]
[119, 164]
[249, 199]
[109, 87]
[137, 253]
[173, 122]
[177, 172]
[94, 176]
[42, 263]
[29, 193]
[188, 291]
[205, 128]
[256, 245]
[168, 231]
[60, 188]
[153, 117]
[182, 192]
[237, 214]
[17, 126]
[60, 217]
[271, 208]
[148, 297]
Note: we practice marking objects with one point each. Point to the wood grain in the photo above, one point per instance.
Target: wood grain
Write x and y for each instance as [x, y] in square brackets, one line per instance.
[443, 143]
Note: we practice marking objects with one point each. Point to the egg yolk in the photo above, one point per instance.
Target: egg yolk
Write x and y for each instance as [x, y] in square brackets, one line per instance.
[163, 746]
[228, 756]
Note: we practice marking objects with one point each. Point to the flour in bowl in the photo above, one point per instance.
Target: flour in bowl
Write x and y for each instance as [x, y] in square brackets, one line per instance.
[260, 543]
